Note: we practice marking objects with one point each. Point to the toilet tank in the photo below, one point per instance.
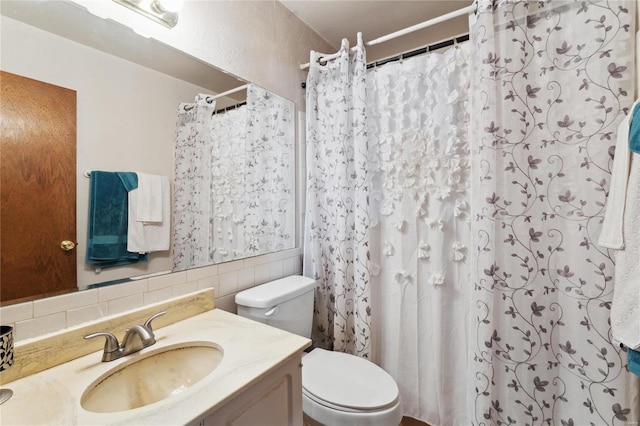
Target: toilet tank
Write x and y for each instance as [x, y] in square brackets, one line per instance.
[286, 303]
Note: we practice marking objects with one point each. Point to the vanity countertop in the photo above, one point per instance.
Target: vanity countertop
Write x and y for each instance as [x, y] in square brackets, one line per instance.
[251, 350]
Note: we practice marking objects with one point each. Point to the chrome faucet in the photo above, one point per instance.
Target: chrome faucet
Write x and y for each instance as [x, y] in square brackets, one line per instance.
[136, 338]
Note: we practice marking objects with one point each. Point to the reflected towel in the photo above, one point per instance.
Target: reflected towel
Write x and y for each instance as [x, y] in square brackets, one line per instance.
[634, 131]
[149, 198]
[148, 236]
[108, 216]
[633, 360]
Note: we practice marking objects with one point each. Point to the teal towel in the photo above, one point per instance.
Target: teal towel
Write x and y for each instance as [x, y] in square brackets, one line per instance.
[634, 130]
[108, 216]
[633, 361]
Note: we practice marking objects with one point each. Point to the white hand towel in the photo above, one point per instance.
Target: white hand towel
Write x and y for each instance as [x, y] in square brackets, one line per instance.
[149, 207]
[144, 237]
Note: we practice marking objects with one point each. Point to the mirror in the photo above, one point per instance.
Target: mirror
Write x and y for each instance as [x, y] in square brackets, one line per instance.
[128, 90]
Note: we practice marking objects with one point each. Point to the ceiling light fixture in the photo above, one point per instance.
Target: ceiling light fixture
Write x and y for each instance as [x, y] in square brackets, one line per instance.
[164, 12]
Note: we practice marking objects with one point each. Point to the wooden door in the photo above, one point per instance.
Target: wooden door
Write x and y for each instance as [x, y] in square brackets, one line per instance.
[37, 188]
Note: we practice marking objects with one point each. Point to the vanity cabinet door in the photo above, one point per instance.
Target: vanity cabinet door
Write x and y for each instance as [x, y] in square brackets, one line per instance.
[275, 400]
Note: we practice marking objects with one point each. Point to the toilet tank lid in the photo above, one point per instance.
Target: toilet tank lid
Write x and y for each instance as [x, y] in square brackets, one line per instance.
[270, 294]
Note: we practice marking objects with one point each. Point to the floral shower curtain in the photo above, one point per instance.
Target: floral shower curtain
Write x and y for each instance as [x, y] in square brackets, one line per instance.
[192, 180]
[419, 155]
[550, 82]
[336, 251]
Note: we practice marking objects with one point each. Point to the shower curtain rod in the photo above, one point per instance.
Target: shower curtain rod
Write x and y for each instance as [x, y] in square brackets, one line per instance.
[229, 92]
[229, 108]
[430, 48]
[456, 13]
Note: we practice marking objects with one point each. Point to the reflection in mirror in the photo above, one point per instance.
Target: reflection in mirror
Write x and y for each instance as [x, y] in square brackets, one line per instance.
[234, 179]
[128, 92]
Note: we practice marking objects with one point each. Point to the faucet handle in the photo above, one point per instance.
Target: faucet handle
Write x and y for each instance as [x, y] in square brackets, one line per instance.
[147, 323]
[111, 343]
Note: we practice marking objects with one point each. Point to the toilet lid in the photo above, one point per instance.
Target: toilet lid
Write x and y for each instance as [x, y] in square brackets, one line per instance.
[347, 381]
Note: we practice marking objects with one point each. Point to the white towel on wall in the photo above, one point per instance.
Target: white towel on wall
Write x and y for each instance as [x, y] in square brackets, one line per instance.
[148, 236]
[149, 208]
[621, 231]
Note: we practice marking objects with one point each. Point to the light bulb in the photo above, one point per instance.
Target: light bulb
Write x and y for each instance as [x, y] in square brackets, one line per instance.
[170, 5]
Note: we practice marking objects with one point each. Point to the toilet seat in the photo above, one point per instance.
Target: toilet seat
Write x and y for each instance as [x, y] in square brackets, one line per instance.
[344, 389]
[346, 382]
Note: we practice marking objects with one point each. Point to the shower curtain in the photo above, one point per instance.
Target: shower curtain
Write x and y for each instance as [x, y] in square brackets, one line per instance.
[419, 158]
[550, 82]
[387, 233]
[336, 238]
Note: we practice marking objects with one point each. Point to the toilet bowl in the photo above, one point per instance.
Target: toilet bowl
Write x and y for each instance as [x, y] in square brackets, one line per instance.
[338, 389]
[342, 389]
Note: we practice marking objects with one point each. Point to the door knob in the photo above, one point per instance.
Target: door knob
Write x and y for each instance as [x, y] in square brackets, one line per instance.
[67, 245]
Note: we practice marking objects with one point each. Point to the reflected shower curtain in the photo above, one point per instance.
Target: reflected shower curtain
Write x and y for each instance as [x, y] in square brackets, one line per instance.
[192, 180]
[228, 145]
[551, 81]
[336, 239]
[210, 159]
[419, 156]
[234, 191]
[269, 197]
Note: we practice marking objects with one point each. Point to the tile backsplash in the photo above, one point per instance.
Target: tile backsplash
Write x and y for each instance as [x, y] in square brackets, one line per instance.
[43, 316]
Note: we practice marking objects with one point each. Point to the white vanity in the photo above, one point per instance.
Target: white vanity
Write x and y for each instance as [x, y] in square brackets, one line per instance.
[251, 375]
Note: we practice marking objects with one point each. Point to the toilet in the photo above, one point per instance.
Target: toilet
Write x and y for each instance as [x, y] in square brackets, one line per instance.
[338, 389]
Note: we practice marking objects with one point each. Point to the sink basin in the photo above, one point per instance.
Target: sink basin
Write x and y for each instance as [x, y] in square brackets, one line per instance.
[156, 376]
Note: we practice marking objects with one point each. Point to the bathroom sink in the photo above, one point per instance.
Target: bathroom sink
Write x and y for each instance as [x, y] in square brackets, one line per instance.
[156, 376]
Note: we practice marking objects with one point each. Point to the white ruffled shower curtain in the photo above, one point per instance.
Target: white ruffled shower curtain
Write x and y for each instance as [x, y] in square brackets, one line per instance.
[550, 82]
[419, 157]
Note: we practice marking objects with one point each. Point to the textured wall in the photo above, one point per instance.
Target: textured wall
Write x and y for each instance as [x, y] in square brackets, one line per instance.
[259, 41]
